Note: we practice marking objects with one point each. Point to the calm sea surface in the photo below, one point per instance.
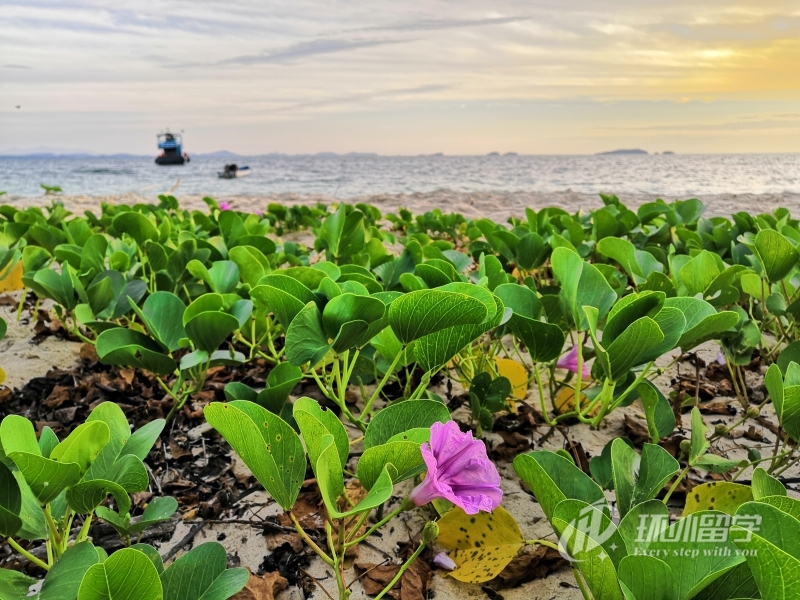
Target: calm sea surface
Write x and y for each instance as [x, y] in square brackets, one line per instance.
[346, 176]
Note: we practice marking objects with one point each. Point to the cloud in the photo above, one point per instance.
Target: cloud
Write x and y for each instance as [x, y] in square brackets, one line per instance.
[305, 49]
[434, 24]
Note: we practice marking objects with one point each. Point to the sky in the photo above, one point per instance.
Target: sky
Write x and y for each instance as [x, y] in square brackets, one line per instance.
[410, 77]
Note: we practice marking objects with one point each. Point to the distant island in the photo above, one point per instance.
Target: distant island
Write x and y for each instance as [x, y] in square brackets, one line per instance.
[623, 151]
[668, 152]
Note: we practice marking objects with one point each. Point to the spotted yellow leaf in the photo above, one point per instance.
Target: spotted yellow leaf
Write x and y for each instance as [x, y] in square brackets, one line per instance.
[484, 543]
[11, 278]
[724, 496]
[515, 372]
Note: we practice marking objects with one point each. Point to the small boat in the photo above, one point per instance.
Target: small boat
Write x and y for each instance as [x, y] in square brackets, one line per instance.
[171, 145]
[233, 171]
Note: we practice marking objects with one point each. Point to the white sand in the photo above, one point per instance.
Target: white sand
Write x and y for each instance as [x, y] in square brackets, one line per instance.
[496, 205]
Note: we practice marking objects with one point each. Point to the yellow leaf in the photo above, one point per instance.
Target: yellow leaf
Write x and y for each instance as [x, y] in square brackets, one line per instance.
[724, 496]
[11, 278]
[565, 400]
[484, 543]
[2, 375]
[515, 372]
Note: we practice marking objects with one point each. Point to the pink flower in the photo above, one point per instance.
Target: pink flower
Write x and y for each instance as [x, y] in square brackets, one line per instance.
[570, 362]
[443, 561]
[225, 206]
[458, 471]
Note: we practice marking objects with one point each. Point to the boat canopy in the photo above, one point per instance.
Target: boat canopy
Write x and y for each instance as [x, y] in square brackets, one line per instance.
[170, 141]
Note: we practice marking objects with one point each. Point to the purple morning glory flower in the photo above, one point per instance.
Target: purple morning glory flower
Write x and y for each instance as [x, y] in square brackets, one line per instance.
[570, 362]
[443, 561]
[458, 470]
[225, 206]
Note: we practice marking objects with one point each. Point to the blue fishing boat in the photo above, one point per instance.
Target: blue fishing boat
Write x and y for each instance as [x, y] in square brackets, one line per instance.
[171, 145]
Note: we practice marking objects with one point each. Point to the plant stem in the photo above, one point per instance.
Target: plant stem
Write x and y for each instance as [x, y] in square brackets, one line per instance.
[311, 544]
[368, 406]
[538, 377]
[581, 584]
[402, 570]
[27, 554]
[84, 532]
[675, 485]
[375, 527]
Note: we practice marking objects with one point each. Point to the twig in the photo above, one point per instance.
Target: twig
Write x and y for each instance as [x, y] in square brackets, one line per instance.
[184, 540]
[316, 581]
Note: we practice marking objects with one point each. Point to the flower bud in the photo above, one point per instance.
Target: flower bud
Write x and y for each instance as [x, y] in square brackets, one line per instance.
[720, 429]
[753, 412]
[430, 532]
[443, 561]
[686, 446]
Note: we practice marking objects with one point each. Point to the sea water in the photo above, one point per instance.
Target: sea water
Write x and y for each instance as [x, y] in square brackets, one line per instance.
[344, 176]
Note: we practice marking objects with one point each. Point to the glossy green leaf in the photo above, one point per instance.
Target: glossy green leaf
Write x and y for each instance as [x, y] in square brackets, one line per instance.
[404, 456]
[777, 254]
[266, 444]
[315, 422]
[202, 574]
[64, 579]
[427, 311]
[638, 478]
[10, 503]
[553, 479]
[404, 416]
[581, 285]
[127, 575]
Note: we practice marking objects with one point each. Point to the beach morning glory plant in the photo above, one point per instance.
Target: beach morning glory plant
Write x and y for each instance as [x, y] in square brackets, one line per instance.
[402, 441]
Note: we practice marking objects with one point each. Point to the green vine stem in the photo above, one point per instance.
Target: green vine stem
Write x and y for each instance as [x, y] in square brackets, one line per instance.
[27, 554]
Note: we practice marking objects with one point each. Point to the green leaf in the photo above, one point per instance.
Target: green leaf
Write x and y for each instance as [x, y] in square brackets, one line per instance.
[435, 350]
[777, 254]
[85, 496]
[63, 580]
[136, 225]
[402, 417]
[700, 560]
[657, 410]
[15, 585]
[281, 380]
[128, 348]
[593, 522]
[306, 341]
[283, 296]
[633, 346]
[315, 422]
[83, 445]
[553, 479]
[593, 562]
[698, 439]
[637, 478]
[266, 444]
[581, 285]
[703, 322]
[404, 456]
[209, 329]
[765, 485]
[331, 486]
[46, 478]
[10, 503]
[424, 312]
[128, 574]
[772, 548]
[162, 314]
[647, 577]
[202, 574]
[786, 400]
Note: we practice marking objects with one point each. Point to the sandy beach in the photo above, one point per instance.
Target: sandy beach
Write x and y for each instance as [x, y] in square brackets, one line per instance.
[496, 205]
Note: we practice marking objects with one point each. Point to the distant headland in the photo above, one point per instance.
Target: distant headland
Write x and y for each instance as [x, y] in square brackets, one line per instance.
[623, 151]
